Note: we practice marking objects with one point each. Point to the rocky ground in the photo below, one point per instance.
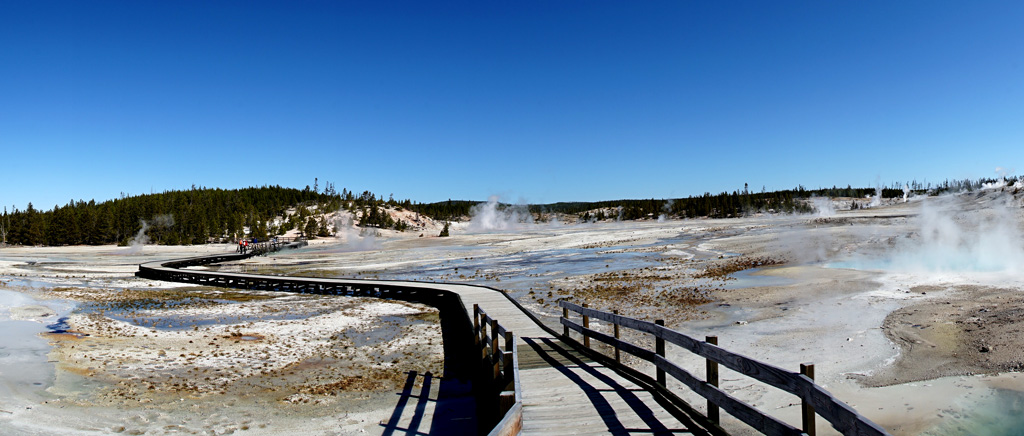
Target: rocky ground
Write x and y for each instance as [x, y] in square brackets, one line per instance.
[969, 330]
[199, 360]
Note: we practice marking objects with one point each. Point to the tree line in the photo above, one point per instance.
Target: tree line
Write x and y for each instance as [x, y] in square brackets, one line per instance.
[202, 215]
[722, 205]
[191, 216]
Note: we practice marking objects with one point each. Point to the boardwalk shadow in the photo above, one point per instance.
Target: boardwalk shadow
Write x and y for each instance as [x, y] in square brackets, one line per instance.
[446, 404]
[585, 373]
[438, 406]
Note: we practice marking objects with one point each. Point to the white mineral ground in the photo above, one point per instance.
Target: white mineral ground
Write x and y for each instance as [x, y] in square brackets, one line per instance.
[918, 348]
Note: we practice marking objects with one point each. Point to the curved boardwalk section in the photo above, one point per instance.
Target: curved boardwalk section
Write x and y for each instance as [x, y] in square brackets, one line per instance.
[563, 390]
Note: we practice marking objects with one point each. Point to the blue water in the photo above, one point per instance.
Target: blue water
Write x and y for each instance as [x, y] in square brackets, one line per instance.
[521, 271]
[1000, 415]
[755, 277]
[130, 313]
[174, 322]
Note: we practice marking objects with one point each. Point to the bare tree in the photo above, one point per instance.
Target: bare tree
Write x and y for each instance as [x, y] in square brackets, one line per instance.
[5, 225]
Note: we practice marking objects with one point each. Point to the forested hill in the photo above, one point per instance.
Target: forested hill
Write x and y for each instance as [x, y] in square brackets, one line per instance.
[742, 202]
[175, 217]
[201, 215]
[722, 205]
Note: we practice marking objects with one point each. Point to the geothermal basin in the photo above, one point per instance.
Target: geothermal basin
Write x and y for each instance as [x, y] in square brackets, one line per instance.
[910, 312]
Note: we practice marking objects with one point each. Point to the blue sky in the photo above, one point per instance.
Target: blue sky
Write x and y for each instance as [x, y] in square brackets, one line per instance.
[542, 101]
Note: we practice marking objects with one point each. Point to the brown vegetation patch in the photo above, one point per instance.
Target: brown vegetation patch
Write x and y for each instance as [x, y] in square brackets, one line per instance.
[644, 292]
[69, 335]
[238, 336]
[354, 383]
[831, 221]
[723, 269]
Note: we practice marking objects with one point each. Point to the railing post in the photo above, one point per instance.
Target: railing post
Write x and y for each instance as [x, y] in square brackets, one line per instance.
[496, 359]
[586, 325]
[509, 338]
[565, 328]
[808, 410]
[616, 328]
[505, 402]
[659, 348]
[712, 377]
[483, 337]
[476, 324]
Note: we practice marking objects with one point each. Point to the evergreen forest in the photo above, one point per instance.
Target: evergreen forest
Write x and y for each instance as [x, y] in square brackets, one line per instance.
[203, 215]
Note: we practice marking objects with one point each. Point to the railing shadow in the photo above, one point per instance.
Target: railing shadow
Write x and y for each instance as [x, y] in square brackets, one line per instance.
[421, 403]
[438, 406]
[558, 356]
[446, 404]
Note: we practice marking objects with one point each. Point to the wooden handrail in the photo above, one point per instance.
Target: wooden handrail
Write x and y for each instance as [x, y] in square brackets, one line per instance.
[842, 417]
[505, 370]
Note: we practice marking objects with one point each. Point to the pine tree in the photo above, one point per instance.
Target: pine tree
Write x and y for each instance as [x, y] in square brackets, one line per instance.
[310, 229]
[5, 226]
[444, 231]
[322, 231]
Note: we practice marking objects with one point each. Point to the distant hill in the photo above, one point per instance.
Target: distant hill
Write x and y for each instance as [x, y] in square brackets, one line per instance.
[202, 215]
[174, 217]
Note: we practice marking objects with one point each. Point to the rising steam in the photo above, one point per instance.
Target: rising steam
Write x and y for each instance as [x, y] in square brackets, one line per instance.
[955, 240]
[824, 206]
[141, 238]
[877, 199]
[352, 238]
[665, 211]
[954, 234]
[491, 217]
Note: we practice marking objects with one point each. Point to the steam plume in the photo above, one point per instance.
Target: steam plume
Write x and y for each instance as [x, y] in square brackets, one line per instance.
[666, 209]
[487, 217]
[353, 239]
[824, 206]
[141, 238]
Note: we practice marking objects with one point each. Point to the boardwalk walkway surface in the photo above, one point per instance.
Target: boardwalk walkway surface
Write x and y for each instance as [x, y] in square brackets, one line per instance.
[564, 392]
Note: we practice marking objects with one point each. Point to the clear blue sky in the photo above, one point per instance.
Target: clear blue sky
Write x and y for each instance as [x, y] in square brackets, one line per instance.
[537, 100]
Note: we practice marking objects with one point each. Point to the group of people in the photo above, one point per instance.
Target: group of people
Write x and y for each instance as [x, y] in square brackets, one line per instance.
[244, 245]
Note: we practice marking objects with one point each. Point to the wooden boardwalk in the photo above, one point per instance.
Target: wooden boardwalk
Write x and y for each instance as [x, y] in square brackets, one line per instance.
[563, 391]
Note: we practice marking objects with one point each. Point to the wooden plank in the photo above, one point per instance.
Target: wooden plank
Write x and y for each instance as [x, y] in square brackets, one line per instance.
[511, 423]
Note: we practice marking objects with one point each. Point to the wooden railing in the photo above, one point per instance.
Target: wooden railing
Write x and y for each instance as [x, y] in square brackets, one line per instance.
[815, 399]
[500, 393]
[502, 364]
[269, 245]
